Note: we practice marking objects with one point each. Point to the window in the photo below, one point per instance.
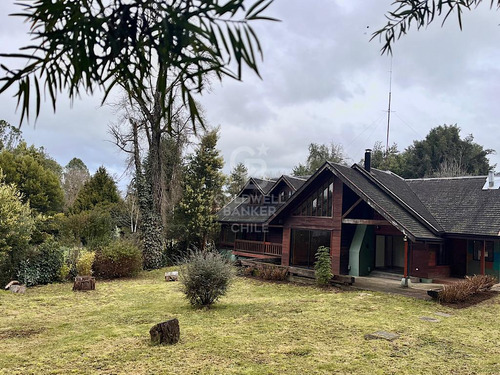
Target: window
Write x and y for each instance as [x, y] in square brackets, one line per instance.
[319, 203]
[305, 244]
[488, 252]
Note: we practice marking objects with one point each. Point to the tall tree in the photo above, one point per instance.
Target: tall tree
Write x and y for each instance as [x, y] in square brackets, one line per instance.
[202, 196]
[237, 179]
[318, 154]
[10, 136]
[443, 152]
[421, 13]
[16, 227]
[75, 175]
[100, 189]
[38, 184]
[387, 160]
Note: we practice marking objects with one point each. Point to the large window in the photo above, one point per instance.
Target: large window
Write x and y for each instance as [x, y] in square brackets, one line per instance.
[319, 203]
[488, 252]
[305, 243]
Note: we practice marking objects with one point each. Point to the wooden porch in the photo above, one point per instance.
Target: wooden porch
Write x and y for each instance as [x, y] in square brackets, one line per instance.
[257, 249]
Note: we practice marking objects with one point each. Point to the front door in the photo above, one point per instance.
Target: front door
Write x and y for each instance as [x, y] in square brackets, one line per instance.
[389, 252]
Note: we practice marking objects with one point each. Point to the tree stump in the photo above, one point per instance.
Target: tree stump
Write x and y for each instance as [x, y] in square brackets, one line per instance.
[165, 333]
[172, 276]
[84, 283]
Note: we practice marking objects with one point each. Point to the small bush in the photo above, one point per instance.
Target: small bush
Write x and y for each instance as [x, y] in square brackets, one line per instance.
[84, 263]
[121, 258]
[271, 272]
[64, 272]
[42, 264]
[323, 266]
[205, 277]
[464, 289]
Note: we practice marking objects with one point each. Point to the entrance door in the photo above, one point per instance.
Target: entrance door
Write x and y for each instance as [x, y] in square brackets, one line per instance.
[389, 252]
[305, 244]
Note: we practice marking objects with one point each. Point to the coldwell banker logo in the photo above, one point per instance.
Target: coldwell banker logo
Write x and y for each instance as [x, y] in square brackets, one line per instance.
[252, 158]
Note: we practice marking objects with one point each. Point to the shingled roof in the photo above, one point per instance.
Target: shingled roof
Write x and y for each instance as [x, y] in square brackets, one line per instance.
[460, 205]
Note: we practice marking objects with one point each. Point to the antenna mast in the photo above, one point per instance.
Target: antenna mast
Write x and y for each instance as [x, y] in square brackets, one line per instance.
[389, 111]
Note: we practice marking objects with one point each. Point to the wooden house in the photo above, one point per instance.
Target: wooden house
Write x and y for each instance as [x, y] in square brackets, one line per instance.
[371, 220]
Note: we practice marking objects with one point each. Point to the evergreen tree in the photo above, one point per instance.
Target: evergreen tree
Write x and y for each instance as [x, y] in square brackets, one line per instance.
[100, 189]
[75, 175]
[38, 184]
[237, 179]
[202, 196]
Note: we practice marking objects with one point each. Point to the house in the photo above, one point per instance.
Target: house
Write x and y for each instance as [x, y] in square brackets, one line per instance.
[371, 219]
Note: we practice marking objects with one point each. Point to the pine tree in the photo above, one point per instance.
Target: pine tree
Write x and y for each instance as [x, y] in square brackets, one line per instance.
[100, 189]
[237, 179]
[202, 196]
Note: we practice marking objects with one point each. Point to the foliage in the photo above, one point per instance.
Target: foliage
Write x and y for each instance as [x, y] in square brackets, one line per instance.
[64, 272]
[75, 175]
[38, 184]
[99, 190]
[202, 198]
[84, 263]
[125, 43]
[121, 258]
[42, 265]
[441, 147]
[88, 228]
[9, 136]
[318, 155]
[391, 160]
[16, 227]
[421, 13]
[237, 180]
[465, 289]
[323, 266]
[205, 277]
[270, 272]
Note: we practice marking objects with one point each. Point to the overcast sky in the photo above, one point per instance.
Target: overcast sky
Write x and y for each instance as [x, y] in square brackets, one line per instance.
[322, 81]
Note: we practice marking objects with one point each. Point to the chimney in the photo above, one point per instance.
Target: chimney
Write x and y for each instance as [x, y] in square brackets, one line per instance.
[491, 180]
[368, 159]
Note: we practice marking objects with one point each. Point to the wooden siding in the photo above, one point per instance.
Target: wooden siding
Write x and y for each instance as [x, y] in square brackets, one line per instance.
[335, 242]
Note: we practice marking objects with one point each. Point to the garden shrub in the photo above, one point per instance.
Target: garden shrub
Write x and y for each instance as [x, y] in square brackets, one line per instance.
[42, 265]
[84, 263]
[64, 272]
[323, 266]
[121, 258]
[464, 289]
[205, 277]
[271, 272]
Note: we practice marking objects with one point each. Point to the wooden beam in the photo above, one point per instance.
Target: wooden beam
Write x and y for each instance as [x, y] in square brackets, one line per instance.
[365, 221]
[351, 208]
[405, 269]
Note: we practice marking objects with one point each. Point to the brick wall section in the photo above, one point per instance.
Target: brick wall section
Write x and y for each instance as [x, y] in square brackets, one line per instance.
[335, 241]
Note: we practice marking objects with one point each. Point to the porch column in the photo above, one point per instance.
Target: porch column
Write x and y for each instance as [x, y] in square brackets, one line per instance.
[285, 247]
[483, 260]
[405, 281]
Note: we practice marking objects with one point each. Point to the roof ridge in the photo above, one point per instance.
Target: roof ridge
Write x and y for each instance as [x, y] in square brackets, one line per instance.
[419, 217]
[444, 178]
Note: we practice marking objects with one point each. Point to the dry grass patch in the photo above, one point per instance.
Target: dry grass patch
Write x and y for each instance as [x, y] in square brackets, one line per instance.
[258, 328]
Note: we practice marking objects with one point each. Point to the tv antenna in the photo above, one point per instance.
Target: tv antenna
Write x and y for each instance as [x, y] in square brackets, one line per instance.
[389, 112]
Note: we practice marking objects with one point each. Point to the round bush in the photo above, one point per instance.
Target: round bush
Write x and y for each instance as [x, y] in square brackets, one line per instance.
[205, 277]
[84, 263]
[121, 258]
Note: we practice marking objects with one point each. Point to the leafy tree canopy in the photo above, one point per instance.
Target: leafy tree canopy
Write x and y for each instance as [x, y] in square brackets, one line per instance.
[443, 153]
[9, 136]
[37, 183]
[100, 189]
[75, 175]
[98, 44]
[318, 154]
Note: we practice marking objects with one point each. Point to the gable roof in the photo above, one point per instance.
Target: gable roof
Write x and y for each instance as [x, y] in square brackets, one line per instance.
[293, 182]
[262, 185]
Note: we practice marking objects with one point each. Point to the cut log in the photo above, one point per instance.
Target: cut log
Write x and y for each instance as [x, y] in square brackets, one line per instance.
[13, 282]
[434, 293]
[21, 289]
[84, 283]
[166, 333]
[172, 276]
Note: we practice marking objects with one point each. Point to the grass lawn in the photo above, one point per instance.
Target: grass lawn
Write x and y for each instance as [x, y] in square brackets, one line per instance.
[258, 328]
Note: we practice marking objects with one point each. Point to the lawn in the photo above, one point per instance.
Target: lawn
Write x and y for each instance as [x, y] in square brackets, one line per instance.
[258, 328]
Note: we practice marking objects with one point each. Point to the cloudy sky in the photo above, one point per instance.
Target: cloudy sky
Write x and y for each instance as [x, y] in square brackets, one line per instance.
[322, 81]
